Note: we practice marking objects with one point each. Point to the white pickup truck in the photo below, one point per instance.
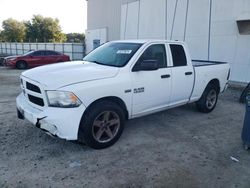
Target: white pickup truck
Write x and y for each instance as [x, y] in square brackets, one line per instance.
[90, 100]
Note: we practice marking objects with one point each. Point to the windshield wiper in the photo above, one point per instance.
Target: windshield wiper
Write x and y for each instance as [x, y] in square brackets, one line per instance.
[97, 62]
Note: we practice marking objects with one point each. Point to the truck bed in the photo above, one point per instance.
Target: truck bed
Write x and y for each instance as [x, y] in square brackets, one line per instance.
[198, 63]
[205, 72]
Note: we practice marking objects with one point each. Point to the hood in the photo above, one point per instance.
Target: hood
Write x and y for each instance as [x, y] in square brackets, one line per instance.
[10, 57]
[62, 74]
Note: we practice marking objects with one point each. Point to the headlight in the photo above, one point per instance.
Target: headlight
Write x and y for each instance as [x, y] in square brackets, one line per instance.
[62, 99]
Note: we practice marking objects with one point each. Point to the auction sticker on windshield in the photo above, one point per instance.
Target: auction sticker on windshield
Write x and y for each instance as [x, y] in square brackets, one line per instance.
[124, 51]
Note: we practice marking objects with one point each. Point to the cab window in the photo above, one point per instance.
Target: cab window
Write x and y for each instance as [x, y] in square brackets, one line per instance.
[155, 52]
[178, 55]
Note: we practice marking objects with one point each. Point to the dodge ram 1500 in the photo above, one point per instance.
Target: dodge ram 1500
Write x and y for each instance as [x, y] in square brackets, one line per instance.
[90, 100]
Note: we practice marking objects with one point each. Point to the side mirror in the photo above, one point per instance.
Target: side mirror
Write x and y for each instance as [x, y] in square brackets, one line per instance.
[145, 65]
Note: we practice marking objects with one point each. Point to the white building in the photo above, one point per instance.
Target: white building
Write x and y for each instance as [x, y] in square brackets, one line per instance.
[214, 29]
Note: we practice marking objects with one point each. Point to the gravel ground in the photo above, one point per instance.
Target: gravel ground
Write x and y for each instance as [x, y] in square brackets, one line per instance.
[176, 148]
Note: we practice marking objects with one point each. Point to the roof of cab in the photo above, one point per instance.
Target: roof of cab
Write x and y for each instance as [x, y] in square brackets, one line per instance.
[143, 41]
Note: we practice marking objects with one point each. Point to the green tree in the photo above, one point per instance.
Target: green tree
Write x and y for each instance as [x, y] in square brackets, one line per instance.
[44, 29]
[75, 37]
[13, 30]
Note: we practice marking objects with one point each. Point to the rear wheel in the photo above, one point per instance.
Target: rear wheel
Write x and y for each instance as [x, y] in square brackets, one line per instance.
[21, 65]
[102, 125]
[208, 99]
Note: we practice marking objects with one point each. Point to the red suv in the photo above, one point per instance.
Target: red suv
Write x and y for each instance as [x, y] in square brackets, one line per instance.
[35, 58]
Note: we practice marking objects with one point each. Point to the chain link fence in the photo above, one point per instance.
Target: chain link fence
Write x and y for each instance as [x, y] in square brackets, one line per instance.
[76, 51]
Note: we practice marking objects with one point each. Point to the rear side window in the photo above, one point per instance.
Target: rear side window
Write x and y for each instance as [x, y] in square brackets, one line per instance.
[48, 53]
[178, 54]
[38, 53]
[155, 52]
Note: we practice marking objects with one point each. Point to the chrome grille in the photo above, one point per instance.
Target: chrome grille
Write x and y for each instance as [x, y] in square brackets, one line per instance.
[32, 87]
[36, 100]
[32, 92]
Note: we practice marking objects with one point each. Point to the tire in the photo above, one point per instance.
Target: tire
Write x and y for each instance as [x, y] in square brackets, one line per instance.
[102, 125]
[208, 100]
[21, 65]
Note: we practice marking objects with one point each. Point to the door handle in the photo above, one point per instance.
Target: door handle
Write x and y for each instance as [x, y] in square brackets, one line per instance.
[165, 76]
[188, 73]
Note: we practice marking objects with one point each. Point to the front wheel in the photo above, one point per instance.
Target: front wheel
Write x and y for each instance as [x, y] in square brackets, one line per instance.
[208, 99]
[21, 65]
[102, 125]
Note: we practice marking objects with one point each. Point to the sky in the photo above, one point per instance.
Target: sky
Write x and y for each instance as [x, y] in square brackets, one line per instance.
[71, 14]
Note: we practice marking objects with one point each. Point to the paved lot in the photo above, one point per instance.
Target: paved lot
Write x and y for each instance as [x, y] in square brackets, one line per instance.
[175, 148]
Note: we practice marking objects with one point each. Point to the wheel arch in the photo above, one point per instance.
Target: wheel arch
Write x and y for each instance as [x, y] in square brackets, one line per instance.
[216, 83]
[114, 99]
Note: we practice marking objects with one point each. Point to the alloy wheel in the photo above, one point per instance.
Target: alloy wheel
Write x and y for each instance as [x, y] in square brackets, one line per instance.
[211, 99]
[105, 126]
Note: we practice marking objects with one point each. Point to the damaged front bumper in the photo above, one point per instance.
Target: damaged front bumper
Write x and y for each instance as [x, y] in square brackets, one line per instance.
[61, 122]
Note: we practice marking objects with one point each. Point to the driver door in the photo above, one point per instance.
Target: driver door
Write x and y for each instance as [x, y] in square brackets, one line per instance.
[151, 88]
[36, 58]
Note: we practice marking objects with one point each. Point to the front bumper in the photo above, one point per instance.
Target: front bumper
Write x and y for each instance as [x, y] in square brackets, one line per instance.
[11, 64]
[61, 122]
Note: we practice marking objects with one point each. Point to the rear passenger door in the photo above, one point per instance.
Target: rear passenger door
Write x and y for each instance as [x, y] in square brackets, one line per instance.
[182, 76]
[51, 57]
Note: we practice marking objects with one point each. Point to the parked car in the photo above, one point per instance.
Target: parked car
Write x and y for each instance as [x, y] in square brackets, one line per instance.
[90, 100]
[35, 58]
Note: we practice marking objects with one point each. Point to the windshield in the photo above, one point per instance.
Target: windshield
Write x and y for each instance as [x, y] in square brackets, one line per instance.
[28, 53]
[113, 54]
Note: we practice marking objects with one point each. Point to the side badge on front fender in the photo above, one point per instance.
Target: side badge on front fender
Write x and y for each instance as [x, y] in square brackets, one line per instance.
[139, 90]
